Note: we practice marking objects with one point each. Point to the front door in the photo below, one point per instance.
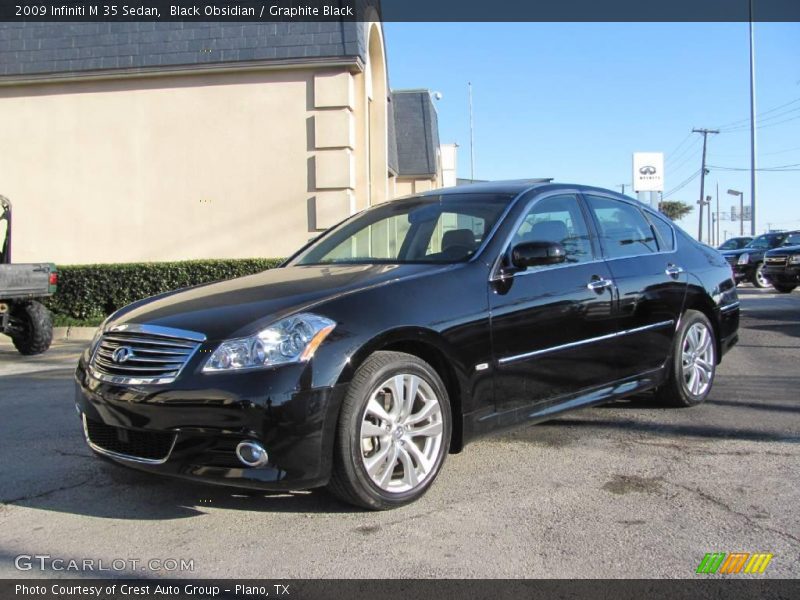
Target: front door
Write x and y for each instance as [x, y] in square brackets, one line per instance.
[552, 326]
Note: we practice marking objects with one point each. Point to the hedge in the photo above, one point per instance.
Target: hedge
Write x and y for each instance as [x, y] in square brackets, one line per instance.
[92, 292]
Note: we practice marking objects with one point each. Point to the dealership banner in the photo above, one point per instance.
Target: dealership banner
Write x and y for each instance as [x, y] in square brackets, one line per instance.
[397, 589]
[398, 10]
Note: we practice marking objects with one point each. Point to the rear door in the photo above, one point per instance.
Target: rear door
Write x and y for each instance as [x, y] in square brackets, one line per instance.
[651, 283]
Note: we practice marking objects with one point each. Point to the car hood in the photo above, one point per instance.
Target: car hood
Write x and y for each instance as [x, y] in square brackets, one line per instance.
[741, 251]
[242, 306]
[784, 251]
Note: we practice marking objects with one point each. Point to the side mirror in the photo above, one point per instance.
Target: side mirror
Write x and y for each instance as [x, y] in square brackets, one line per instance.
[536, 254]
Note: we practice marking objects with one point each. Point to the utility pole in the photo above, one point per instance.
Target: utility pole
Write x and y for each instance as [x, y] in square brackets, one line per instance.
[622, 187]
[705, 133]
[710, 223]
[753, 172]
[717, 242]
[471, 137]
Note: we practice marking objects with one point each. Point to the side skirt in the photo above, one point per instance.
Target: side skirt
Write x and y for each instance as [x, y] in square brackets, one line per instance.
[480, 423]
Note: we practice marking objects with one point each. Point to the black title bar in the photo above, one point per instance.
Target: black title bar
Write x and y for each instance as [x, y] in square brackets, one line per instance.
[400, 10]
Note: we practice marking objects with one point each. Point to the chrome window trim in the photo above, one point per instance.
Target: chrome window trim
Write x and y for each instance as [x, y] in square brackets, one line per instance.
[127, 457]
[495, 274]
[624, 332]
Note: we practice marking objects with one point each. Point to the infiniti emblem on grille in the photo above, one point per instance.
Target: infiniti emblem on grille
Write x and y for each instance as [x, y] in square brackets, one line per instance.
[122, 354]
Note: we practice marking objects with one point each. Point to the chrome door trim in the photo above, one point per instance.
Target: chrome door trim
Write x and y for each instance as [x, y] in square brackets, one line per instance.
[624, 332]
[729, 307]
[126, 457]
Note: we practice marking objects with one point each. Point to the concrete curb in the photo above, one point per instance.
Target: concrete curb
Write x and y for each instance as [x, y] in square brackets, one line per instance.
[73, 333]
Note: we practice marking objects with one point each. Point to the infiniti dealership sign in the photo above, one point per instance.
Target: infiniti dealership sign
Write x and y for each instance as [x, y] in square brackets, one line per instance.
[648, 171]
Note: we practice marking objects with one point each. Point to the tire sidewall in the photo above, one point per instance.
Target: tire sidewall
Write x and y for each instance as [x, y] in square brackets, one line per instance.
[369, 491]
[690, 318]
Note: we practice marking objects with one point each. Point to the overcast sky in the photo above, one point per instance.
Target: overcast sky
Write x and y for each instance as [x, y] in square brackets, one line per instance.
[573, 101]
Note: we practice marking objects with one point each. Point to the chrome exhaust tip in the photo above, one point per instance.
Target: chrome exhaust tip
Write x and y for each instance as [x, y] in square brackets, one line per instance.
[252, 454]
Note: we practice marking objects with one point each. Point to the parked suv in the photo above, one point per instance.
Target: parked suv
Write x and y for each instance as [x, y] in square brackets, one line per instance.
[403, 333]
[782, 265]
[748, 262]
[735, 243]
[22, 317]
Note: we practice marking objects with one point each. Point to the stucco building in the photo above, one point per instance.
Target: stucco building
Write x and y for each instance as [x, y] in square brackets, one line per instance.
[167, 141]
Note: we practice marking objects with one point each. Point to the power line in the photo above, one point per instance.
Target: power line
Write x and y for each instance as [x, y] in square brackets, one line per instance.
[760, 115]
[776, 168]
[683, 184]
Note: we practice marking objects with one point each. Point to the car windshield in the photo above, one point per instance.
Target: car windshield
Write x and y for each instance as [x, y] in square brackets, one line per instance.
[429, 229]
[792, 240]
[732, 244]
[764, 241]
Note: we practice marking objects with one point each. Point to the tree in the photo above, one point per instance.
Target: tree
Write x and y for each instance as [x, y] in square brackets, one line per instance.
[675, 209]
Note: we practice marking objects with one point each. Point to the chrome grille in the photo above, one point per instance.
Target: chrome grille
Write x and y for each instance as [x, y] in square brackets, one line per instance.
[142, 354]
[775, 261]
[732, 259]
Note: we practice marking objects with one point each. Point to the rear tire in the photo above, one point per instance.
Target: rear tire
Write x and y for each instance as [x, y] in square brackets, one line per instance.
[393, 433]
[693, 363]
[784, 288]
[35, 328]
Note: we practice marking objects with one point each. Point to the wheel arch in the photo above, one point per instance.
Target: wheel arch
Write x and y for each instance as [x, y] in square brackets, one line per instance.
[699, 300]
[426, 345]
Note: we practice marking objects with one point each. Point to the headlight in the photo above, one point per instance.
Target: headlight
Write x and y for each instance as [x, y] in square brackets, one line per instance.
[794, 259]
[290, 340]
[743, 259]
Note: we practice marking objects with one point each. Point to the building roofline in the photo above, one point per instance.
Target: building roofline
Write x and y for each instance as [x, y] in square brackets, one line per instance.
[353, 63]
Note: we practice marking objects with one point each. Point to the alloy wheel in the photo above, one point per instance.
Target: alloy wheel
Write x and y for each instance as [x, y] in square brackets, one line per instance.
[760, 279]
[401, 433]
[697, 359]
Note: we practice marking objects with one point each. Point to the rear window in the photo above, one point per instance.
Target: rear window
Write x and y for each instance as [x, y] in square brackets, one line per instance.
[666, 236]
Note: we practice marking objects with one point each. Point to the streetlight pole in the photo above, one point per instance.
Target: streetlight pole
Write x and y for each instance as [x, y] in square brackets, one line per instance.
[741, 208]
[471, 137]
[753, 172]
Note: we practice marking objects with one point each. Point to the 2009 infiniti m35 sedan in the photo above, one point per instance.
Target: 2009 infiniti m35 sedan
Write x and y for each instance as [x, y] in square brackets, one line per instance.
[405, 332]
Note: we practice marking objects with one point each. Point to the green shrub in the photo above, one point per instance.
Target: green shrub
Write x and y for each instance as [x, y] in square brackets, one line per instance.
[92, 292]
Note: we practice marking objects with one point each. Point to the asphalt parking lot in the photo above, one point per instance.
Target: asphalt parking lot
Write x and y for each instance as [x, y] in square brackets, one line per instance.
[628, 490]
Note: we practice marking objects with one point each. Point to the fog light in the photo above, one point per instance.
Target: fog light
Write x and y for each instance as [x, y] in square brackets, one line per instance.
[252, 454]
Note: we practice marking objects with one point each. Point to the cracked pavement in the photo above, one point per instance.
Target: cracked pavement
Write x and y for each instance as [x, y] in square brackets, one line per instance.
[627, 490]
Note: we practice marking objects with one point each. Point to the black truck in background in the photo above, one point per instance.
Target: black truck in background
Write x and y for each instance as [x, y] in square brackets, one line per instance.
[25, 320]
[782, 265]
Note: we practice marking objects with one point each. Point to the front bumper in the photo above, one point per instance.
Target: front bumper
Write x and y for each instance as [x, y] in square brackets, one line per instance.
[786, 274]
[190, 428]
[743, 272]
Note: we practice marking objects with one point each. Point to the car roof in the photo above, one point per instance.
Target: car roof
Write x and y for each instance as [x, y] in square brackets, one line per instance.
[516, 187]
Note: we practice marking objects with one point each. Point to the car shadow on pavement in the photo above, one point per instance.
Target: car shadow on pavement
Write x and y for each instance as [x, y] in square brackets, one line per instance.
[116, 492]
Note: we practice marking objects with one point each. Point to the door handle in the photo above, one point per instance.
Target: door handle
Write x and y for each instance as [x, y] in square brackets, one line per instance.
[673, 271]
[599, 284]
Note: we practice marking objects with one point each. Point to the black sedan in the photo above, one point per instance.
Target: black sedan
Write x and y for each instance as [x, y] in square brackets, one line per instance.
[405, 332]
[735, 243]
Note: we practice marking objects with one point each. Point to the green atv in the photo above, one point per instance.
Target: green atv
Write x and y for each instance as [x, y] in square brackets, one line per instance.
[27, 322]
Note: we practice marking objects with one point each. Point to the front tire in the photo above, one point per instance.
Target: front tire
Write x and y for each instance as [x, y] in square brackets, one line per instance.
[32, 328]
[784, 288]
[393, 433]
[759, 280]
[693, 363]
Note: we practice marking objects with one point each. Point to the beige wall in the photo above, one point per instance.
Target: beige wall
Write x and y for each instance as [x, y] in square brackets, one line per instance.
[198, 166]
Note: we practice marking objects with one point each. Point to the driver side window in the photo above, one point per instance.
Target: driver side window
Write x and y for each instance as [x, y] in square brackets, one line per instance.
[557, 219]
